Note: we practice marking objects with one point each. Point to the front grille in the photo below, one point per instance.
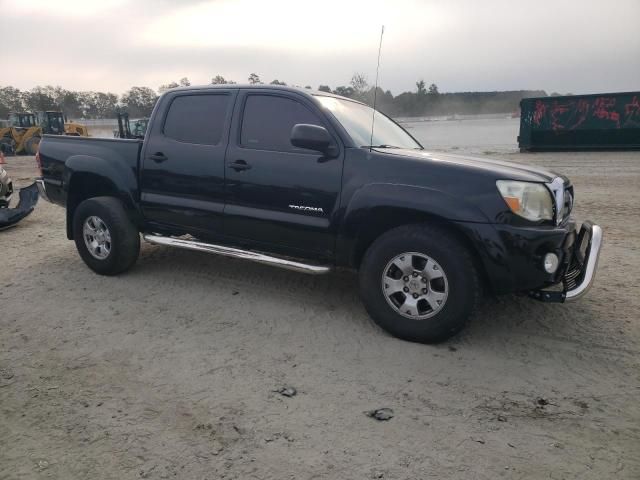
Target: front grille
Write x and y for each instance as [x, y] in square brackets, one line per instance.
[571, 277]
[568, 202]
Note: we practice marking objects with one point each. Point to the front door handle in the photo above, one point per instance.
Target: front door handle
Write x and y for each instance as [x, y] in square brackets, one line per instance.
[158, 157]
[239, 165]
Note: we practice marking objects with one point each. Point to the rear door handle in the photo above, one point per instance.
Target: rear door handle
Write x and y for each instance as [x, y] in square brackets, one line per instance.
[239, 165]
[158, 157]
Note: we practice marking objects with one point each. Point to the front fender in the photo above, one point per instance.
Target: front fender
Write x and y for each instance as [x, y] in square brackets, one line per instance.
[428, 200]
[378, 207]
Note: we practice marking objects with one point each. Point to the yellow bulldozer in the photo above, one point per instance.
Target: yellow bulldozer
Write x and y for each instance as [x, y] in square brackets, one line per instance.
[25, 129]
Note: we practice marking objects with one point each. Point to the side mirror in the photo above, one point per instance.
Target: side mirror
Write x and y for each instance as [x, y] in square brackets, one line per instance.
[312, 137]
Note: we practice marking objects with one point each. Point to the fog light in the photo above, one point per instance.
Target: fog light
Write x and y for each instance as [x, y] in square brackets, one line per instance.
[550, 262]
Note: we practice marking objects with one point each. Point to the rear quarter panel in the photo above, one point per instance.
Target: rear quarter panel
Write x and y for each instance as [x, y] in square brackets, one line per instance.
[115, 160]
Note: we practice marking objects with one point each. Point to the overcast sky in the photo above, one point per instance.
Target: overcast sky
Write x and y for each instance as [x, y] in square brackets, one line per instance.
[577, 46]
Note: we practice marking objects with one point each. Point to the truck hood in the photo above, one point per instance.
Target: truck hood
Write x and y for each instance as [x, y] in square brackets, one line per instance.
[499, 168]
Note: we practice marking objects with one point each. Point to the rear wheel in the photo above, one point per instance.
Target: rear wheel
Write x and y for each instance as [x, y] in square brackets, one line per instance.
[105, 237]
[7, 145]
[419, 283]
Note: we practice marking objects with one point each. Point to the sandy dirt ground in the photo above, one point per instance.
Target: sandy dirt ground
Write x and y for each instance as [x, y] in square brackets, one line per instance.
[170, 370]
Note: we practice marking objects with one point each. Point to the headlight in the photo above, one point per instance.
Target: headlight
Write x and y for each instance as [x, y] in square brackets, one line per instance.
[532, 201]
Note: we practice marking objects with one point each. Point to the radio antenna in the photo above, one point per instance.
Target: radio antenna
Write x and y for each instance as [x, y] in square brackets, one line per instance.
[375, 91]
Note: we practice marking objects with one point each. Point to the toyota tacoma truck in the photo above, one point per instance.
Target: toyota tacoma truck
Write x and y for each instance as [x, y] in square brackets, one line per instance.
[311, 181]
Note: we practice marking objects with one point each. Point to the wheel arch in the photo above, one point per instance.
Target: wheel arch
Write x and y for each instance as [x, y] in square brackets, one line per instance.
[388, 218]
[85, 185]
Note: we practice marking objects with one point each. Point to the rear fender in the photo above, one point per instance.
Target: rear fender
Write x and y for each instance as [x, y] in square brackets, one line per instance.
[88, 176]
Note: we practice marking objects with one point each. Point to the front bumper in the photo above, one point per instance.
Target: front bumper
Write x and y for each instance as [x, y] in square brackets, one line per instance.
[512, 257]
[580, 270]
[28, 199]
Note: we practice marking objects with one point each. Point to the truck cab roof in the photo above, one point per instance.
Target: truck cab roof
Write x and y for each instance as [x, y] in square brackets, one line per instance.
[248, 86]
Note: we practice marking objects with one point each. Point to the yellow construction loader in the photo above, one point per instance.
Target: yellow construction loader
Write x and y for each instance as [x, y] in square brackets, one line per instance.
[53, 123]
[26, 129]
[22, 135]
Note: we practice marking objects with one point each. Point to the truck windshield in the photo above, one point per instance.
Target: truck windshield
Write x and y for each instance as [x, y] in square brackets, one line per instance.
[356, 119]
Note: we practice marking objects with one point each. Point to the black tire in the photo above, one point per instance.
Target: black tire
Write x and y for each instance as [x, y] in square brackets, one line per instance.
[8, 145]
[124, 242]
[452, 257]
[31, 145]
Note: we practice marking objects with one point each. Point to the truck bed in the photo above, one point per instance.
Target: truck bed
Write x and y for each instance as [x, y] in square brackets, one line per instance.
[59, 153]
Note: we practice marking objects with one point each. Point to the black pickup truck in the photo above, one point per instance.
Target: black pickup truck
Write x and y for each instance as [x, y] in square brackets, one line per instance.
[296, 179]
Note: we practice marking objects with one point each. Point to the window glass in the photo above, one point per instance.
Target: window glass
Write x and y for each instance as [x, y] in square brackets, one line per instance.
[197, 118]
[268, 120]
[357, 120]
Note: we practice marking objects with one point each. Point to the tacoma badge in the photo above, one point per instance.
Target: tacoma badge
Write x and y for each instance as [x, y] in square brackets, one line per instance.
[307, 209]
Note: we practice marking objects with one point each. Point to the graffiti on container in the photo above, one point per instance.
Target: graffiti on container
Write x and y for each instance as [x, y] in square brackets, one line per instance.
[592, 113]
[632, 112]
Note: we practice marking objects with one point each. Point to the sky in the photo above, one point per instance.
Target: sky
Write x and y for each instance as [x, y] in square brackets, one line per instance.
[568, 46]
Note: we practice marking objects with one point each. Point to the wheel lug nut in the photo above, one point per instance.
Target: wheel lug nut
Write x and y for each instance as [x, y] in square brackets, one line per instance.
[424, 290]
[406, 279]
[415, 295]
[415, 274]
[424, 280]
[405, 289]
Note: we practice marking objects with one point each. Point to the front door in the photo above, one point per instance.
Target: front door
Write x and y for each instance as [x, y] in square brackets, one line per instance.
[280, 197]
[182, 179]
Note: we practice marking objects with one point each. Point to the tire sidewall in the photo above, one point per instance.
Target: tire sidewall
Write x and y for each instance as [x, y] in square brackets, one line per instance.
[99, 208]
[453, 259]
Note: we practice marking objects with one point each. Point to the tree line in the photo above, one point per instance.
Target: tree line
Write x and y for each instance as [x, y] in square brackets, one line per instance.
[139, 100]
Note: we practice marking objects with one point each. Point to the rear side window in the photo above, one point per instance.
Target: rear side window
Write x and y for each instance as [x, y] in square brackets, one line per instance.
[268, 120]
[197, 118]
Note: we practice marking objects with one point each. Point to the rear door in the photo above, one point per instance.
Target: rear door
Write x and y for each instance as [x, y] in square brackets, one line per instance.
[182, 177]
[280, 198]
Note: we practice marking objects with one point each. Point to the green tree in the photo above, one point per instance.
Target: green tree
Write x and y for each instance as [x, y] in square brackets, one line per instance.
[38, 99]
[139, 101]
[10, 101]
[184, 82]
[421, 87]
[433, 89]
[324, 88]
[277, 82]
[345, 91]
[220, 80]
[167, 86]
[254, 79]
[106, 104]
[359, 85]
[67, 101]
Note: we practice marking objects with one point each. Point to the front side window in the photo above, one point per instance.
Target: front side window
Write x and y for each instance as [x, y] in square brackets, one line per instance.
[356, 118]
[268, 120]
[198, 119]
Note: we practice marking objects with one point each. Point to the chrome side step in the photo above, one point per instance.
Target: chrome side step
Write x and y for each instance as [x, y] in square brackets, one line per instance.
[236, 253]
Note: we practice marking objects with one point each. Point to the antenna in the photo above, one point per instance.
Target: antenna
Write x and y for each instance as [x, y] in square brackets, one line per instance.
[375, 91]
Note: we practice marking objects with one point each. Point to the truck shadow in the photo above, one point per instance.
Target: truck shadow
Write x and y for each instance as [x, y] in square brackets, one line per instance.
[336, 294]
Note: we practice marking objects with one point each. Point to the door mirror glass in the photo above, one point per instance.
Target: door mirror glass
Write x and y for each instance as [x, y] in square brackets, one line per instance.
[312, 137]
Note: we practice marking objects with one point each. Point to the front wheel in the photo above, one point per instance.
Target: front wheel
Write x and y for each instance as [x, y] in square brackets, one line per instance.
[419, 283]
[105, 237]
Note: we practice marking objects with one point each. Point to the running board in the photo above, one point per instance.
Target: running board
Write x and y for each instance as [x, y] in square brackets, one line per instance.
[236, 253]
